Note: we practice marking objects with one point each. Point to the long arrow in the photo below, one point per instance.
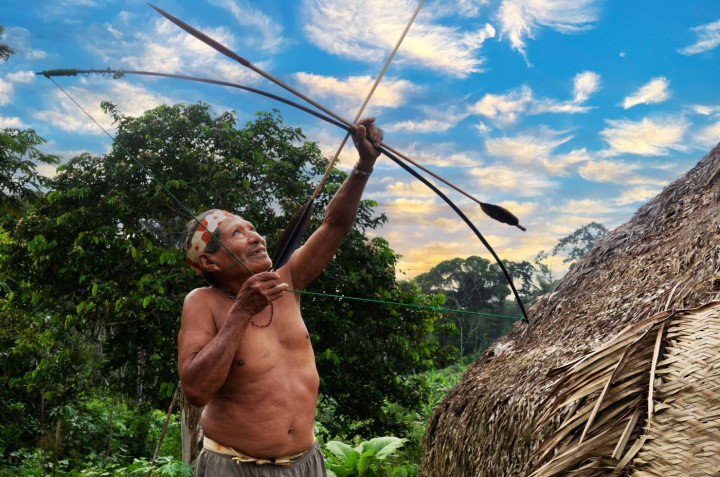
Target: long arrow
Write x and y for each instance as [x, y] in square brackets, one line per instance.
[291, 237]
[118, 73]
[496, 212]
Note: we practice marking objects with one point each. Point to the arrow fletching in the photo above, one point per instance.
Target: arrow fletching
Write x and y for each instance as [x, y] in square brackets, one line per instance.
[501, 214]
[291, 237]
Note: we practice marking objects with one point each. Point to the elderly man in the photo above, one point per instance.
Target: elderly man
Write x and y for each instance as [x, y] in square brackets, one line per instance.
[244, 352]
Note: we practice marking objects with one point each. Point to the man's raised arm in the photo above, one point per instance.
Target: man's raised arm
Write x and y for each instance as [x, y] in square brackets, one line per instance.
[312, 258]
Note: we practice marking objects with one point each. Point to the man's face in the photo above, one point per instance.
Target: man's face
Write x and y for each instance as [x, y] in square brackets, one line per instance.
[242, 239]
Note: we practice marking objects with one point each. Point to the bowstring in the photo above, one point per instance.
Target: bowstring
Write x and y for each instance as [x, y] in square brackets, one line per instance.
[302, 292]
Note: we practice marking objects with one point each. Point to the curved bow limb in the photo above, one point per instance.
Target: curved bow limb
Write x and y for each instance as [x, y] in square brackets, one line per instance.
[499, 213]
[118, 73]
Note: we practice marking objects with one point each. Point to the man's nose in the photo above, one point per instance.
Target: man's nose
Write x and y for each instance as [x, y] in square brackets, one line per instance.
[256, 238]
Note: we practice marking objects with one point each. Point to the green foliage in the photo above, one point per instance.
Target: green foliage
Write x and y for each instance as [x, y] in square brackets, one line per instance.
[5, 49]
[19, 157]
[96, 278]
[366, 459]
[100, 437]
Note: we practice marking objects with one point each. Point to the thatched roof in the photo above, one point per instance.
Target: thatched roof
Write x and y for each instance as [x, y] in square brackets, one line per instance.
[646, 403]
[666, 257]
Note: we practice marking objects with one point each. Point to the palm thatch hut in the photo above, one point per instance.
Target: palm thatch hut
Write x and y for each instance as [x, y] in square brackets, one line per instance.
[548, 388]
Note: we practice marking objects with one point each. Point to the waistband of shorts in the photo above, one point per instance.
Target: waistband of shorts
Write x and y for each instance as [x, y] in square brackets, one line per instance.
[239, 457]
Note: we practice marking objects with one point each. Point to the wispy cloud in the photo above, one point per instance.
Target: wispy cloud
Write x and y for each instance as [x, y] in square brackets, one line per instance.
[422, 126]
[269, 31]
[19, 39]
[349, 92]
[507, 108]
[524, 183]
[369, 30]
[7, 84]
[11, 122]
[534, 150]
[648, 137]
[64, 115]
[409, 189]
[655, 91]
[168, 49]
[413, 206]
[636, 194]
[708, 38]
[520, 19]
[503, 108]
[709, 136]
[584, 85]
[608, 171]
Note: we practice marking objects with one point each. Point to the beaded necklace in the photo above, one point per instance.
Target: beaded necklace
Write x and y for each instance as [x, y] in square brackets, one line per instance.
[232, 298]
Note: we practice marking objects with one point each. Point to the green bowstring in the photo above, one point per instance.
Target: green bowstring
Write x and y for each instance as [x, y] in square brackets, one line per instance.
[409, 305]
[303, 292]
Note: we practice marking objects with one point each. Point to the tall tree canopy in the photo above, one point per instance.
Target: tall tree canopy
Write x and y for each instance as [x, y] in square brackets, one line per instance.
[472, 284]
[99, 274]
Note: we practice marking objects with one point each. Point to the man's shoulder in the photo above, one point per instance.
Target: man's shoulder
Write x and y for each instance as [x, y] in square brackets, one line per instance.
[201, 294]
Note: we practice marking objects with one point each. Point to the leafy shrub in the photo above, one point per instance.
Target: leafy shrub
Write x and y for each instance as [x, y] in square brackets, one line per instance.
[368, 459]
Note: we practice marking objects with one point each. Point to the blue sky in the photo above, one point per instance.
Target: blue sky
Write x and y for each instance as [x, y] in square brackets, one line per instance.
[565, 111]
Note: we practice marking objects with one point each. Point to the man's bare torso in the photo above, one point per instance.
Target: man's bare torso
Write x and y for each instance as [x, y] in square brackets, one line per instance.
[266, 408]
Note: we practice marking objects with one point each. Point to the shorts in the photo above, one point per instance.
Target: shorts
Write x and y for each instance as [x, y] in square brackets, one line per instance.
[214, 464]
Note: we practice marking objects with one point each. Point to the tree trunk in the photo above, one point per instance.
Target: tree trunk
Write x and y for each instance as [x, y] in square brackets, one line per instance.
[191, 431]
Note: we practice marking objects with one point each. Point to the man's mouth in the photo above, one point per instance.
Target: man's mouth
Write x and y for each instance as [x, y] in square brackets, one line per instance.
[259, 251]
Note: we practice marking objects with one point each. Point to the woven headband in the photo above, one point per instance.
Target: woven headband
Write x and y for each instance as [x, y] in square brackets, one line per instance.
[202, 236]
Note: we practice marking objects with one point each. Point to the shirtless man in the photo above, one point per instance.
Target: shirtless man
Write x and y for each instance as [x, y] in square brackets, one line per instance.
[244, 352]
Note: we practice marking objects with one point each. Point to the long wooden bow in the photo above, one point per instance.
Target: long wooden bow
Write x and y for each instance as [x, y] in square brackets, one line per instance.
[494, 211]
[291, 237]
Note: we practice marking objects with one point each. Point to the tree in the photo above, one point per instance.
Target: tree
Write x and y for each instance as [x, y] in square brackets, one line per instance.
[100, 274]
[5, 49]
[580, 241]
[20, 182]
[472, 284]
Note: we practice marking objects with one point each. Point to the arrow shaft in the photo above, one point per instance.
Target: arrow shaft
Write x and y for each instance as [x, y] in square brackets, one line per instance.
[369, 95]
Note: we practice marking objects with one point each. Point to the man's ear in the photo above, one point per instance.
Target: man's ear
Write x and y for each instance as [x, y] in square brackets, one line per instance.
[207, 263]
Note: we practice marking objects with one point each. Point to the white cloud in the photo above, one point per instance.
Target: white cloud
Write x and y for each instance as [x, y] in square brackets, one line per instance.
[443, 154]
[19, 39]
[705, 110]
[409, 189]
[520, 182]
[169, 49]
[424, 126]
[506, 109]
[66, 116]
[21, 76]
[636, 194]
[413, 206]
[647, 137]
[503, 108]
[533, 150]
[7, 84]
[585, 84]
[520, 19]
[11, 122]
[708, 39]
[6, 90]
[584, 207]
[349, 92]
[655, 91]
[369, 30]
[607, 171]
[248, 16]
[709, 136]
